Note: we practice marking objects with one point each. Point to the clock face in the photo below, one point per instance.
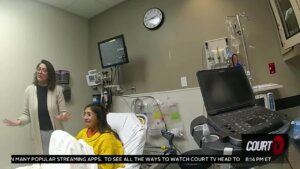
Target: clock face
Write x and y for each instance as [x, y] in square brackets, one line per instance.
[153, 18]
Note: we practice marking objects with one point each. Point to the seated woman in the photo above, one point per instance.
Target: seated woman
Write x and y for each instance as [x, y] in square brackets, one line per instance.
[96, 139]
[99, 135]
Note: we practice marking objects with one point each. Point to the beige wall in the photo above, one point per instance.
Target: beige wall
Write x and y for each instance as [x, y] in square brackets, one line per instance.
[159, 58]
[30, 32]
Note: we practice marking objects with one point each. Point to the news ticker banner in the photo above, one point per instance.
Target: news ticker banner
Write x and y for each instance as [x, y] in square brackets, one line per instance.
[123, 159]
[255, 149]
[136, 159]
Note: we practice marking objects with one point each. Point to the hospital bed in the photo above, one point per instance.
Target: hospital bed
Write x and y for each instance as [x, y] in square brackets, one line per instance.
[131, 129]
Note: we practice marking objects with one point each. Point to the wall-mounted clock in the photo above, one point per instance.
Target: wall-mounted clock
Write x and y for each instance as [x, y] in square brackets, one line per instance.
[153, 18]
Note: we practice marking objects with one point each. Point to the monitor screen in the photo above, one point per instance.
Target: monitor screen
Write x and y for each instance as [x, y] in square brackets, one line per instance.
[113, 52]
[92, 78]
[225, 89]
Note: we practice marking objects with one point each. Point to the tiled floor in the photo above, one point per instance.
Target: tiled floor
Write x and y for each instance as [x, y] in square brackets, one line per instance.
[294, 154]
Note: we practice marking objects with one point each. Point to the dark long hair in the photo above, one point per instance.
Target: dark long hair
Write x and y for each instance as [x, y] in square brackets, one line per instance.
[101, 113]
[51, 75]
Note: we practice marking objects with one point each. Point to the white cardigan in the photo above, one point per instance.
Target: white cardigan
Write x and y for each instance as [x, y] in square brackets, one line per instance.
[56, 105]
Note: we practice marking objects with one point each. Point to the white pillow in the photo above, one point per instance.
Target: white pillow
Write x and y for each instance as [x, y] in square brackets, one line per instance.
[131, 132]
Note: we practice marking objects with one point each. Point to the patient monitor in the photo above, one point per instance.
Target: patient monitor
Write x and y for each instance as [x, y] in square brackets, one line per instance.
[93, 78]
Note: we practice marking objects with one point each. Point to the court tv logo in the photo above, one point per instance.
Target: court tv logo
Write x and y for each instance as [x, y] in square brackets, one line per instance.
[264, 147]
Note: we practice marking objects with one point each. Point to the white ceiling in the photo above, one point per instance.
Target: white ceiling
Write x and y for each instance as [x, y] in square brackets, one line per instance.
[84, 8]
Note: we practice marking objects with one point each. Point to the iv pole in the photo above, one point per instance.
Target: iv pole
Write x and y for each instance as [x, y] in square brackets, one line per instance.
[243, 40]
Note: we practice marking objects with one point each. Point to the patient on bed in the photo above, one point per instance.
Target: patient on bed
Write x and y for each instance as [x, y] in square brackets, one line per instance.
[97, 138]
[99, 134]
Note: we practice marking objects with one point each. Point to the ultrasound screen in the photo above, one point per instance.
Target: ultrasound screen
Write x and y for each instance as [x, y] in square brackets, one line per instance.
[225, 89]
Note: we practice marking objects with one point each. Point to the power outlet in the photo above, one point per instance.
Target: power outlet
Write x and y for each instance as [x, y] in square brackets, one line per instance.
[183, 81]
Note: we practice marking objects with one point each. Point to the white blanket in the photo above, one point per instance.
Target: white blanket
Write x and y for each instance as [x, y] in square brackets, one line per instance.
[62, 143]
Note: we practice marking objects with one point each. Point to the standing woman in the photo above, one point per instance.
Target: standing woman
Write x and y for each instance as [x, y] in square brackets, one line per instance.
[44, 107]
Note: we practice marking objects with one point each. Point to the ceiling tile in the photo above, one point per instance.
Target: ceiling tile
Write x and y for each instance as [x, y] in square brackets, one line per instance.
[63, 4]
[84, 8]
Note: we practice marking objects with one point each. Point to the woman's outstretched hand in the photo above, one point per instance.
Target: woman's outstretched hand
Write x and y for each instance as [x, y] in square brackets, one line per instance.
[63, 116]
[12, 122]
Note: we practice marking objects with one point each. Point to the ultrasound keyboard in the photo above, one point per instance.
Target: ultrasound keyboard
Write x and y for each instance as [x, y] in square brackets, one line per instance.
[254, 120]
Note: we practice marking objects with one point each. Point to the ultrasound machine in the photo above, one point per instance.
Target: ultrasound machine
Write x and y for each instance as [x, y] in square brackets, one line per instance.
[231, 112]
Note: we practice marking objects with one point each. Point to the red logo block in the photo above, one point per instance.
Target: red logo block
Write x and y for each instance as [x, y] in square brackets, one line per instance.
[278, 145]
